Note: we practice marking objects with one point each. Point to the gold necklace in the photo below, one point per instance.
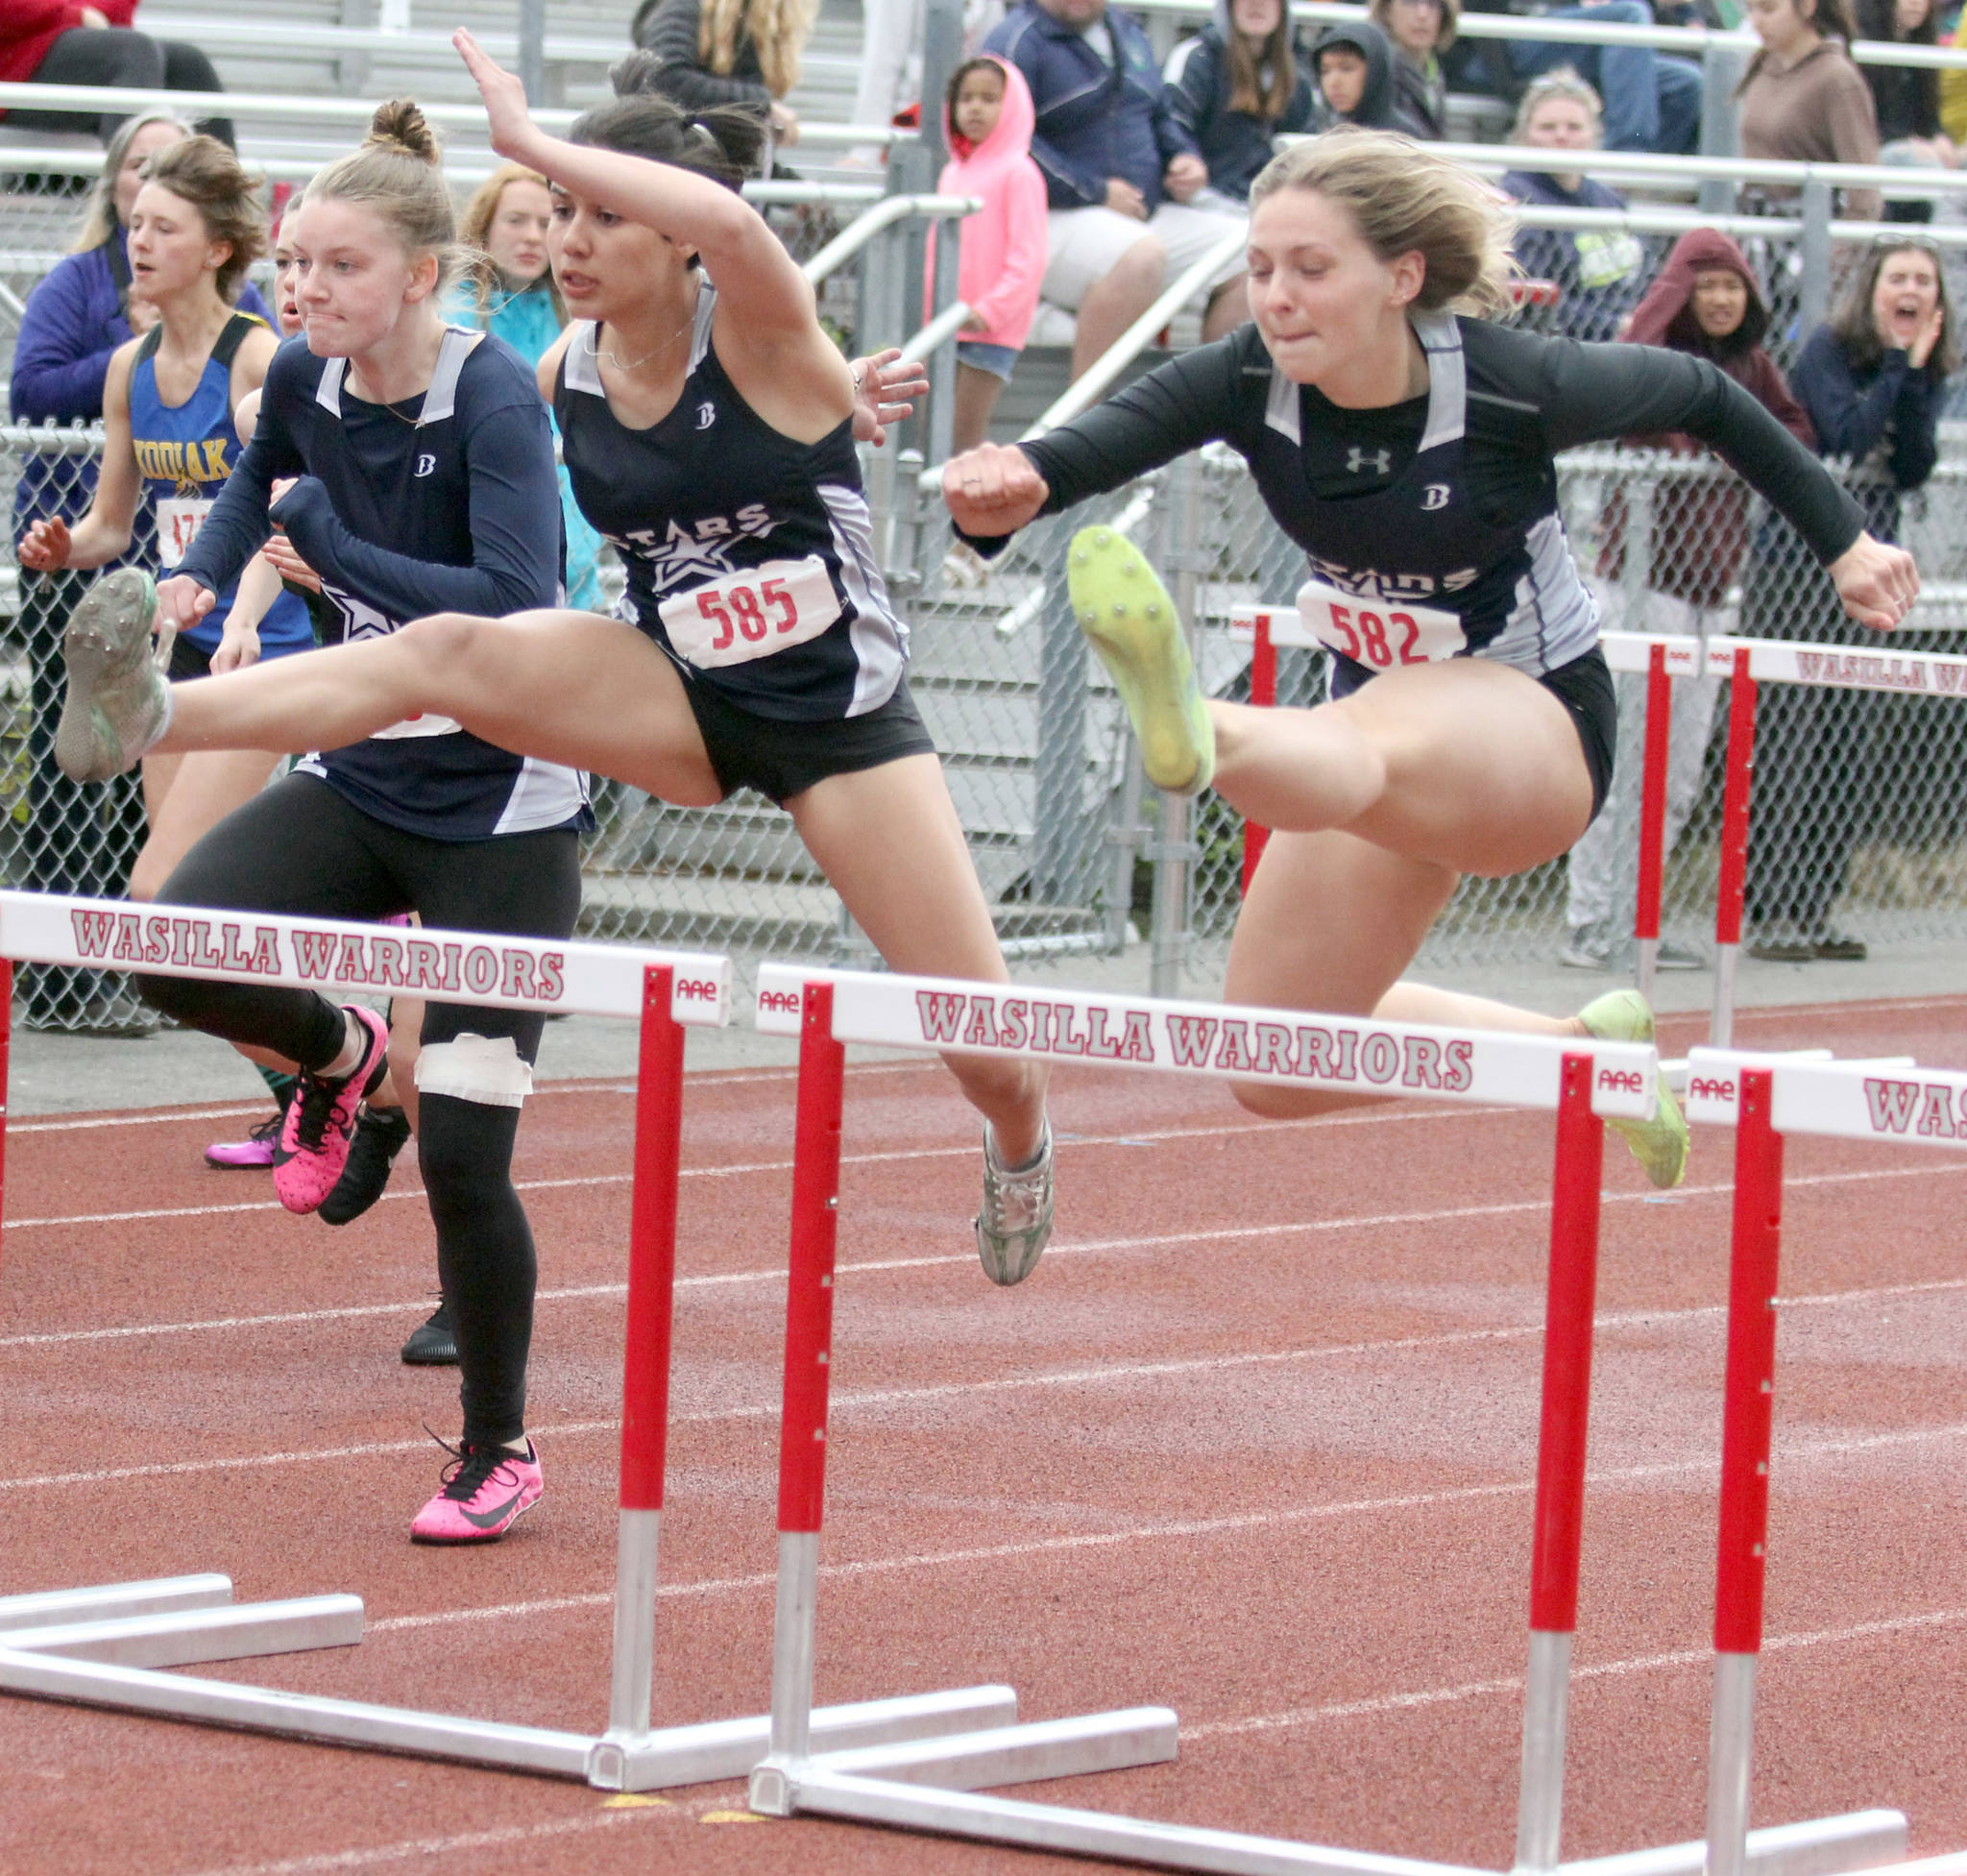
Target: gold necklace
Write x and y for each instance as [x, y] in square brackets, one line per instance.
[631, 364]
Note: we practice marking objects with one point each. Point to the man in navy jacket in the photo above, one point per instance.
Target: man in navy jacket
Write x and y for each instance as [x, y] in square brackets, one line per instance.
[1120, 173]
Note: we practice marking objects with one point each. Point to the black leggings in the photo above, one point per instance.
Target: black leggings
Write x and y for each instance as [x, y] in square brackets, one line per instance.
[116, 54]
[298, 847]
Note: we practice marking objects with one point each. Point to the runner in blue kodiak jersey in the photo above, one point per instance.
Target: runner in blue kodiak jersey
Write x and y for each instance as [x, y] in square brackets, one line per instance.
[1406, 447]
[416, 469]
[168, 450]
[708, 434]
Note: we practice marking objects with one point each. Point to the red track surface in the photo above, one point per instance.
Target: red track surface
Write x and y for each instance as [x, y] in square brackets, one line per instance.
[1257, 1442]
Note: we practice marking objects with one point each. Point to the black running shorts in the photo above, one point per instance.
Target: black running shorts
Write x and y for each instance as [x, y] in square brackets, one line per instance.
[782, 759]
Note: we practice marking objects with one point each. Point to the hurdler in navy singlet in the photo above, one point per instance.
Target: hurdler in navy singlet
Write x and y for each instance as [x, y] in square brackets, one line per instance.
[749, 555]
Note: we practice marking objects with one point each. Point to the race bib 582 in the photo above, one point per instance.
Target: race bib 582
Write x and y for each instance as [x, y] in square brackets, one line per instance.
[752, 613]
[1380, 634]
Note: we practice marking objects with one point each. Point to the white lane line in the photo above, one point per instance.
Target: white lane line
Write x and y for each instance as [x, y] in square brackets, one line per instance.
[1229, 1525]
[746, 1167]
[1098, 1246]
[504, 1837]
[1513, 1684]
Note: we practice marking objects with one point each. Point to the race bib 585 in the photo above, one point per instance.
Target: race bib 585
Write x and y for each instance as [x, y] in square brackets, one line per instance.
[1379, 634]
[753, 613]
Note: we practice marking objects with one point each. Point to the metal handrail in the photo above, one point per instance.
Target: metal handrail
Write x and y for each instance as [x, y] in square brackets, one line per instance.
[1678, 221]
[889, 210]
[939, 330]
[1131, 343]
[1690, 40]
[1636, 163]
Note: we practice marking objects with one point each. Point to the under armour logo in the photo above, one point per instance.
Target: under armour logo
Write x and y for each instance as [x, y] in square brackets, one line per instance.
[1359, 461]
[425, 464]
[1437, 495]
[706, 414]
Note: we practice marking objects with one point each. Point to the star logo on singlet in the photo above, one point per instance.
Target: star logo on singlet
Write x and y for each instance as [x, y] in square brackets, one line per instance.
[687, 556]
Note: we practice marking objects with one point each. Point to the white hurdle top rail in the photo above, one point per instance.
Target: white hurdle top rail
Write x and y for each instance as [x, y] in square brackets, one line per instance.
[1770, 661]
[1291, 1048]
[338, 955]
[1889, 1099]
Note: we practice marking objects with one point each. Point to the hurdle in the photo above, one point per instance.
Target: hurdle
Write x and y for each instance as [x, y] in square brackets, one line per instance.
[1580, 1080]
[107, 1645]
[1766, 1098]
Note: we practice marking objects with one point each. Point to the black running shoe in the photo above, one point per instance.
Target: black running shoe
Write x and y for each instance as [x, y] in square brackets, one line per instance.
[379, 1136]
[433, 1344]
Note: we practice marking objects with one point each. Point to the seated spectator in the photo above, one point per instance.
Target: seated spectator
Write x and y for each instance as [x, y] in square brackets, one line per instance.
[1121, 175]
[57, 42]
[729, 52]
[1873, 378]
[1802, 100]
[1707, 302]
[1906, 98]
[1419, 32]
[1352, 68]
[79, 837]
[1599, 272]
[1232, 88]
[1652, 102]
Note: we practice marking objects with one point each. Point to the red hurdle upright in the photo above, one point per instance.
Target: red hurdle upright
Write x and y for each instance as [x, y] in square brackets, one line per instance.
[1731, 889]
[1263, 690]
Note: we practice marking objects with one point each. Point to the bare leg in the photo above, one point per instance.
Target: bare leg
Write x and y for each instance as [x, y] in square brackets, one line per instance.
[1114, 303]
[1386, 798]
[566, 687]
[193, 794]
[1227, 309]
[977, 393]
[890, 842]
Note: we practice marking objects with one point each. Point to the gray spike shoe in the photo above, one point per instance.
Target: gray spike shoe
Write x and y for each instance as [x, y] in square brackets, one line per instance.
[1015, 1223]
[118, 702]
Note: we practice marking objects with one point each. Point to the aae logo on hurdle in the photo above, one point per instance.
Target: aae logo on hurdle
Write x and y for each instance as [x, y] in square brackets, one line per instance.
[1810, 1092]
[1292, 1047]
[318, 954]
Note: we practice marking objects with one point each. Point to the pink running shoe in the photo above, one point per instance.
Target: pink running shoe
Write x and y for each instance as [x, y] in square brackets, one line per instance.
[485, 1489]
[320, 1118]
[255, 1152]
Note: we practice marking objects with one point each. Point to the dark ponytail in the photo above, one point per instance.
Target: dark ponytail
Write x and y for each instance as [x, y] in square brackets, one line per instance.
[723, 143]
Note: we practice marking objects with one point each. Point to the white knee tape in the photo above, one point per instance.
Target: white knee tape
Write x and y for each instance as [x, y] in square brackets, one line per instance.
[482, 1068]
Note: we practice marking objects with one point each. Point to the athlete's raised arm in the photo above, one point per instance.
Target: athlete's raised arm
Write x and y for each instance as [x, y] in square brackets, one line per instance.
[749, 263]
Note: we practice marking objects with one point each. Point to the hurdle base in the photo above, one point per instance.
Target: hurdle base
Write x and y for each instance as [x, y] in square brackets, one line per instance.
[106, 1646]
[1828, 1846]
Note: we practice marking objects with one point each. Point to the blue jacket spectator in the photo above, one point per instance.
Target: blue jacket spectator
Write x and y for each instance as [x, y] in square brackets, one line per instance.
[1098, 117]
[1234, 86]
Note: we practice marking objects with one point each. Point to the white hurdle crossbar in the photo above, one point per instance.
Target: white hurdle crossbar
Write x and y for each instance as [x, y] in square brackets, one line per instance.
[108, 1645]
[1578, 1079]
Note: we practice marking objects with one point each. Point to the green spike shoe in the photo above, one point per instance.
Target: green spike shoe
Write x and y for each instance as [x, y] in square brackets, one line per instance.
[118, 701]
[1124, 610]
[1658, 1144]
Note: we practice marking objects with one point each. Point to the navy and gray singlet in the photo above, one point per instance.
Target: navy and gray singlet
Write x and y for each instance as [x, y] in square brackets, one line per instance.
[749, 555]
[447, 503]
[185, 452]
[1431, 528]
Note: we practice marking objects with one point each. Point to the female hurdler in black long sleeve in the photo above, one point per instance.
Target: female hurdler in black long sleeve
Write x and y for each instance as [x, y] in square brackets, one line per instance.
[1408, 452]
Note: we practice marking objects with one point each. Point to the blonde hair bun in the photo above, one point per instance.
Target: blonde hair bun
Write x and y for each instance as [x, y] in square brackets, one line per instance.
[400, 125]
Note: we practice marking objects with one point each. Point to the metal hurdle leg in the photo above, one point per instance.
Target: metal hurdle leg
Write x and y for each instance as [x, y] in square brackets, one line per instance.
[1735, 812]
[105, 1647]
[997, 1755]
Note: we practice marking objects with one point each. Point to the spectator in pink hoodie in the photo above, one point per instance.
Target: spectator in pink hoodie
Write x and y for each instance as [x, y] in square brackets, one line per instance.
[987, 118]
